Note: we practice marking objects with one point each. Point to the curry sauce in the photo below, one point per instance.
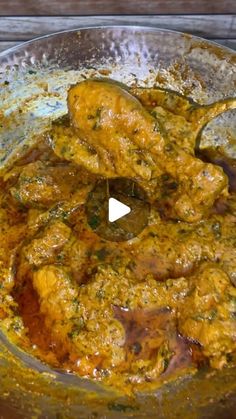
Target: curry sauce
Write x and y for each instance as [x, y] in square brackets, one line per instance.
[130, 314]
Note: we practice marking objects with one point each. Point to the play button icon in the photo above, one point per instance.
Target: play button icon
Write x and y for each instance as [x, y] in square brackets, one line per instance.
[117, 209]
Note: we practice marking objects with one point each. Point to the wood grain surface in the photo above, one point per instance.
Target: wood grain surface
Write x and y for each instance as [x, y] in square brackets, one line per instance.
[92, 7]
[220, 28]
[23, 28]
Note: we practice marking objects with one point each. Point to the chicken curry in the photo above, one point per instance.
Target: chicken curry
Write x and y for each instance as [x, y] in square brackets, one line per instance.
[134, 313]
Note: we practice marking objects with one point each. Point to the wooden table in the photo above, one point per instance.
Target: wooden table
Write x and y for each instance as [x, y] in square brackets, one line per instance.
[19, 24]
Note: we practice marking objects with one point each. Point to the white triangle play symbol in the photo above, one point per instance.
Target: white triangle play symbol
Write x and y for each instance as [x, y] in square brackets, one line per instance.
[116, 210]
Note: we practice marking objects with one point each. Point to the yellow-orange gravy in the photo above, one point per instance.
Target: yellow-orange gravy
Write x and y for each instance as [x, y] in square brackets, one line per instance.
[131, 314]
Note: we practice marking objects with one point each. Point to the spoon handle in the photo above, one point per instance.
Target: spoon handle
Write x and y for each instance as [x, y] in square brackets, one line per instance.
[201, 115]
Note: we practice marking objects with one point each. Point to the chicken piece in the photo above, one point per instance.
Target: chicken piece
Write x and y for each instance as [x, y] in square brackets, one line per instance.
[45, 247]
[13, 230]
[103, 333]
[40, 185]
[170, 249]
[196, 115]
[8, 252]
[61, 211]
[164, 249]
[170, 109]
[223, 227]
[208, 314]
[58, 300]
[170, 100]
[127, 142]
[176, 129]
[166, 254]
[84, 321]
[56, 292]
[186, 122]
[11, 236]
[87, 338]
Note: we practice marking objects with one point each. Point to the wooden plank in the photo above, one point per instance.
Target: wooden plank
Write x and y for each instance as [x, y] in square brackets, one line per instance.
[23, 28]
[230, 43]
[93, 7]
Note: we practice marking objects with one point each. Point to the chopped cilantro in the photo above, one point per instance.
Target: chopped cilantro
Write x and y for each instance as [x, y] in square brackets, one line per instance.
[94, 221]
[101, 253]
[120, 407]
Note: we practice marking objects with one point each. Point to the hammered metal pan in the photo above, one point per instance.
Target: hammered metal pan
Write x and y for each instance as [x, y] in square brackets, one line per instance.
[34, 78]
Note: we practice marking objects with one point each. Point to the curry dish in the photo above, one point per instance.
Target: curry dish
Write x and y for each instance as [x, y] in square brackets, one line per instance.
[130, 314]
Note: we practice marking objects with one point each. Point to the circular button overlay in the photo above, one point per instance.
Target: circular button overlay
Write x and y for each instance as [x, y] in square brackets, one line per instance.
[124, 192]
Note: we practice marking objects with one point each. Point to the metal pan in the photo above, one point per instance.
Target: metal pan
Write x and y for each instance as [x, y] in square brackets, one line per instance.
[34, 79]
